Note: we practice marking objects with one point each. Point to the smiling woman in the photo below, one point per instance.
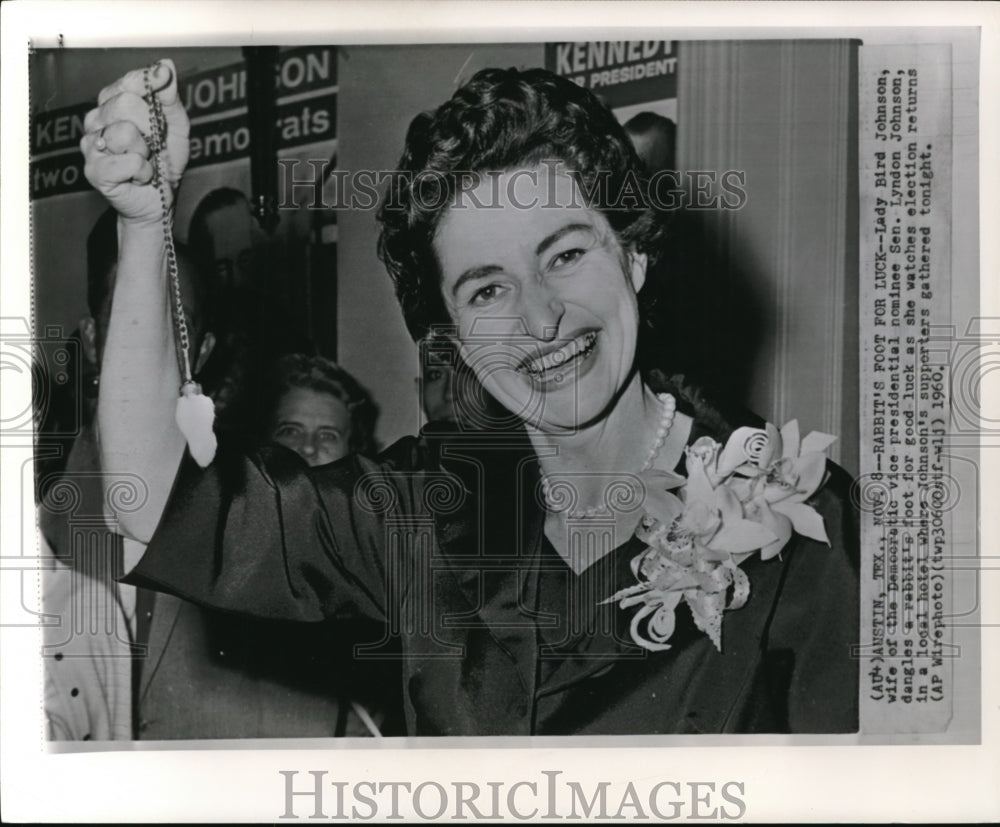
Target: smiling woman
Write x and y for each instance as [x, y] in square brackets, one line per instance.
[584, 562]
[544, 298]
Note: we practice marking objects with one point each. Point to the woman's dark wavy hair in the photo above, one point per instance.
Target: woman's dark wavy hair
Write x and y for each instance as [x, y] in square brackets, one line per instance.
[315, 373]
[502, 119]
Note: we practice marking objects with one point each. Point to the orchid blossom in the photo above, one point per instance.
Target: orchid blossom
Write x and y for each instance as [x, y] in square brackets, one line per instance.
[736, 499]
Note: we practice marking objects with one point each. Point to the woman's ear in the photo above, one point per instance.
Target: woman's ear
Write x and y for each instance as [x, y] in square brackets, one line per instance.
[637, 269]
[88, 338]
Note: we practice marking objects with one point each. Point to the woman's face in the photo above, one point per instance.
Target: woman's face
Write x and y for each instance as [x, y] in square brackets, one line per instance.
[436, 392]
[316, 425]
[543, 296]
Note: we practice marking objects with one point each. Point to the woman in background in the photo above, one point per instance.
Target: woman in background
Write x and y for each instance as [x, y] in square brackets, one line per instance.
[218, 675]
[318, 409]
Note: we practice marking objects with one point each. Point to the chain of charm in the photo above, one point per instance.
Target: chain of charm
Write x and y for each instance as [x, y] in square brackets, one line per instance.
[156, 140]
[668, 410]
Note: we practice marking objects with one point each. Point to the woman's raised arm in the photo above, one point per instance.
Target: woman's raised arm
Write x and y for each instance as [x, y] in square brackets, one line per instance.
[139, 373]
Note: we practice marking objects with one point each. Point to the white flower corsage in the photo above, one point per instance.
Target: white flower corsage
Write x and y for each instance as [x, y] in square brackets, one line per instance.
[735, 500]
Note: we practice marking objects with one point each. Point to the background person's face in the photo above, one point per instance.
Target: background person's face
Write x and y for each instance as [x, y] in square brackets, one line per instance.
[543, 297]
[317, 426]
[436, 393]
[235, 234]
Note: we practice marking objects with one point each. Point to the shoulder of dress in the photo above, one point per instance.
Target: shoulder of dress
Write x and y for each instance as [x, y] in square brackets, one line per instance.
[409, 453]
[835, 494]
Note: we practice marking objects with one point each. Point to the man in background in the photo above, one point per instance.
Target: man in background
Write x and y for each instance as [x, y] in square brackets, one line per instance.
[655, 140]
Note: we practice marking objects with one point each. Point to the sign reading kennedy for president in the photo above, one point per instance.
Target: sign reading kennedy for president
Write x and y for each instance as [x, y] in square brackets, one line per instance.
[621, 72]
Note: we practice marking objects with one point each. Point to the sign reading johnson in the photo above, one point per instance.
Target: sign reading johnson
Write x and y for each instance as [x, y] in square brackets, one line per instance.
[621, 72]
[216, 102]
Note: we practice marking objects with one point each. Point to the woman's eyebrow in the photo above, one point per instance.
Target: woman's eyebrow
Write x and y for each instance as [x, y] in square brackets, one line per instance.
[474, 273]
[552, 238]
[489, 269]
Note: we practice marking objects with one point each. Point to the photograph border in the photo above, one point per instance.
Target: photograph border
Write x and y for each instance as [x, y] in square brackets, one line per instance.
[241, 780]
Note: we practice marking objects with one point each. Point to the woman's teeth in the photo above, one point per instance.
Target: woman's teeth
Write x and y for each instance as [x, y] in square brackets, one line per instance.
[579, 347]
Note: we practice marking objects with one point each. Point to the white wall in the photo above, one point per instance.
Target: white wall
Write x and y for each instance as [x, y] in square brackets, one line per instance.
[785, 114]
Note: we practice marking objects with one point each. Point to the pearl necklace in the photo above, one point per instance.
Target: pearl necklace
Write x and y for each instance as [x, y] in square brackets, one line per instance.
[669, 407]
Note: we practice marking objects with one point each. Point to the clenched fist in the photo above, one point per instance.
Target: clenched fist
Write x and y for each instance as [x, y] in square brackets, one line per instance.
[118, 160]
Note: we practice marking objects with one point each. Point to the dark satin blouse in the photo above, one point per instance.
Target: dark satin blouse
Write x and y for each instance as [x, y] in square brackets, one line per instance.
[441, 541]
